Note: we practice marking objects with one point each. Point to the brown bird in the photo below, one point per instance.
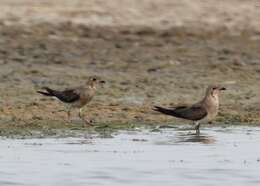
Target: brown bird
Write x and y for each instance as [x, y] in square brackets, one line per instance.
[207, 108]
[76, 97]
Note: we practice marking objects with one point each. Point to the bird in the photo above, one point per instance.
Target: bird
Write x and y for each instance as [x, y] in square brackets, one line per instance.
[207, 108]
[76, 97]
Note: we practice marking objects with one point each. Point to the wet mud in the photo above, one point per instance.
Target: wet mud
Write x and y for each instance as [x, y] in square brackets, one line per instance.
[142, 65]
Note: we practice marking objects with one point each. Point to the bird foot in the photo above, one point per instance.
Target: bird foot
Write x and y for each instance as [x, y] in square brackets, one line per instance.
[68, 120]
[88, 123]
[197, 128]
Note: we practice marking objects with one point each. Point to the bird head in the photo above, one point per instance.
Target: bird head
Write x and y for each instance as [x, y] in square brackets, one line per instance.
[94, 80]
[214, 90]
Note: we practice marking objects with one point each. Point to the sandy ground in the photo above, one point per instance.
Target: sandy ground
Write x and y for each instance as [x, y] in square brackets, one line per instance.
[149, 52]
[232, 14]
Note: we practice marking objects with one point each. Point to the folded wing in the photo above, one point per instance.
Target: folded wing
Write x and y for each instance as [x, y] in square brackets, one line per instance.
[69, 95]
[191, 113]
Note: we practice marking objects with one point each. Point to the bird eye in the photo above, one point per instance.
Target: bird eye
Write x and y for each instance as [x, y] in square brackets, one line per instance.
[214, 88]
[94, 79]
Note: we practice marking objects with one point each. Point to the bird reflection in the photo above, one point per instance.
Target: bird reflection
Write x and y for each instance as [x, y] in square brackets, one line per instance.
[195, 138]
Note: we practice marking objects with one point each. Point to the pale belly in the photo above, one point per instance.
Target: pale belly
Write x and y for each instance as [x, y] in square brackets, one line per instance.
[212, 114]
[79, 103]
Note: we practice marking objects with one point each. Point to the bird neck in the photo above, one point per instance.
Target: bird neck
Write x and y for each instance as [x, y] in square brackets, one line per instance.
[211, 100]
[92, 86]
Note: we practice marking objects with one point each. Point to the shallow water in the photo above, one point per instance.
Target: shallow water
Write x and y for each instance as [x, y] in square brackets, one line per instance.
[219, 156]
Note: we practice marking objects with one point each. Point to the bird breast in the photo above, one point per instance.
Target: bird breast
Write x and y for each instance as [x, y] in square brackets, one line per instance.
[212, 105]
[85, 97]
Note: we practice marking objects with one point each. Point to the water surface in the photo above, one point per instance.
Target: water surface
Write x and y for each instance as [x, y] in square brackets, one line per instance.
[219, 156]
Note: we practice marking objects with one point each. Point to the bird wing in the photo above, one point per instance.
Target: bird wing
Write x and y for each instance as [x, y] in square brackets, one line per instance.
[195, 112]
[68, 95]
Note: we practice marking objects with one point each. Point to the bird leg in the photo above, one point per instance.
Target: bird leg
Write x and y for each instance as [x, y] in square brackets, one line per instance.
[197, 127]
[68, 115]
[87, 122]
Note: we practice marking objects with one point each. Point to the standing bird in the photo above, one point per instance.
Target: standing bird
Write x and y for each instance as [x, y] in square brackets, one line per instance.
[207, 108]
[75, 97]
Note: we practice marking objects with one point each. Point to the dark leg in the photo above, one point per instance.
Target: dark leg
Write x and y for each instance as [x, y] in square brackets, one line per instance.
[80, 114]
[197, 127]
[68, 115]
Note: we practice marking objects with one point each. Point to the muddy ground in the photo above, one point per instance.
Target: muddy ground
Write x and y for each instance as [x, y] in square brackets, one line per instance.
[143, 65]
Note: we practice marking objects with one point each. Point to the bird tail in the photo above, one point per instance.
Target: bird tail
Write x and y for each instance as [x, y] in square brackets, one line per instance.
[163, 110]
[49, 92]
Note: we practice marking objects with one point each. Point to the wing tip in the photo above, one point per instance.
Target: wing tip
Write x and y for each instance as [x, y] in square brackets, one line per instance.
[156, 108]
[43, 93]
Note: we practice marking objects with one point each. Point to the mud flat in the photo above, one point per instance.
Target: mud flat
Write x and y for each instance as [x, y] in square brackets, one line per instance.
[160, 62]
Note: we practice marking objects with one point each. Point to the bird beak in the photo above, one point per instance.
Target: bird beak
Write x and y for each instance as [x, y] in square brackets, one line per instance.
[102, 83]
[222, 88]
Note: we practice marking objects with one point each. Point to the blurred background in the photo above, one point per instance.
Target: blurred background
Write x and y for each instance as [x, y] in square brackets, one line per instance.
[149, 51]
